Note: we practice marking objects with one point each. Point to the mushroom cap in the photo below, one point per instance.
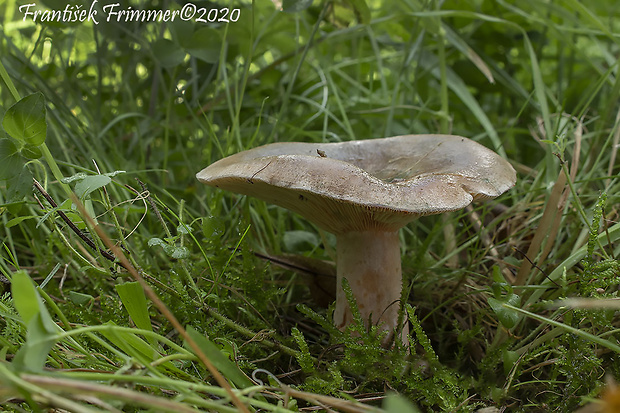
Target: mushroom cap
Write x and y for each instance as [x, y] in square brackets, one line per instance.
[375, 184]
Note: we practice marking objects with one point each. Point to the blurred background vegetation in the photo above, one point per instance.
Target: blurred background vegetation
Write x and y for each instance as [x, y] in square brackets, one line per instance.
[132, 110]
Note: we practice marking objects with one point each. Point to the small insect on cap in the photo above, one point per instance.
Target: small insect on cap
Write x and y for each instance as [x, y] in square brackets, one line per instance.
[379, 184]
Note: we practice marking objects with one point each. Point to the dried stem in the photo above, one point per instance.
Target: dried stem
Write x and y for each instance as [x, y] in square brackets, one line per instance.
[150, 293]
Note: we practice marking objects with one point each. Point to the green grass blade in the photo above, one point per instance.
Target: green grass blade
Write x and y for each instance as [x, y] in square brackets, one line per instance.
[581, 333]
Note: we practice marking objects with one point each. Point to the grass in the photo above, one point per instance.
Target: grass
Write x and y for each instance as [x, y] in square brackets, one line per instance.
[182, 306]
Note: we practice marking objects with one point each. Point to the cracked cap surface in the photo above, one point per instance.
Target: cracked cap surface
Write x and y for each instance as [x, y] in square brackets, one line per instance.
[379, 184]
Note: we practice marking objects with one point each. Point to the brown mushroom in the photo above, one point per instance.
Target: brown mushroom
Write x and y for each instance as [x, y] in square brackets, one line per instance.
[363, 192]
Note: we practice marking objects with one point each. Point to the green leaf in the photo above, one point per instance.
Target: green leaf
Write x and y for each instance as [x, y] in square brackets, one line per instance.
[16, 221]
[213, 227]
[32, 355]
[114, 173]
[299, 241]
[181, 31]
[156, 241]
[572, 330]
[133, 298]
[25, 120]
[10, 160]
[79, 298]
[91, 183]
[31, 151]
[205, 44]
[168, 53]
[77, 177]
[130, 343]
[135, 346]
[219, 360]
[173, 251]
[509, 359]
[25, 296]
[177, 252]
[19, 185]
[395, 403]
[507, 317]
[41, 329]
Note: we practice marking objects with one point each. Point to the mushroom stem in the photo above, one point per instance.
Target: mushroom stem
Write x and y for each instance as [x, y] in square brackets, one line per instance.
[370, 261]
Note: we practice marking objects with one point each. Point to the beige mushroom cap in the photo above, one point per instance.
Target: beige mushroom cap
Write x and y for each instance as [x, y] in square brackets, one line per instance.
[379, 184]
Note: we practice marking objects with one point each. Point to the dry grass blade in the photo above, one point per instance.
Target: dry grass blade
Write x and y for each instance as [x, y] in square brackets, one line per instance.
[341, 405]
[552, 208]
[82, 388]
[450, 239]
[555, 227]
[150, 293]
[614, 149]
[550, 222]
[590, 303]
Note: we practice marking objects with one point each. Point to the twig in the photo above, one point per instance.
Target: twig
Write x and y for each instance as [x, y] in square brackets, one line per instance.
[71, 225]
[475, 220]
[534, 265]
[154, 206]
[150, 293]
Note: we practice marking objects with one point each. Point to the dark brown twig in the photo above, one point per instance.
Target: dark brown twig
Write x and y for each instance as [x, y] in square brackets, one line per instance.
[71, 225]
[535, 265]
[150, 293]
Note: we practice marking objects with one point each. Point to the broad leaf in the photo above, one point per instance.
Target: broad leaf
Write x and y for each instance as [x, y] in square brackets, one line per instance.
[213, 227]
[25, 297]
[168, 53]
[19, 185]
[205, 45]
[506, 316]
[25, 120]
[91, 183]
[31, 151]
[10, 160]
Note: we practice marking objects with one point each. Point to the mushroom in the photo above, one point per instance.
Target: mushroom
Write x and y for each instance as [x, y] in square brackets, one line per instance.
[364, 192]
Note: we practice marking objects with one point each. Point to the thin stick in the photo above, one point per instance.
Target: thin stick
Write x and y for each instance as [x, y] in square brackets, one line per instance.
[475, 220]
[150, 293]
[532, 263]
[70, 223]
[154, 207]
